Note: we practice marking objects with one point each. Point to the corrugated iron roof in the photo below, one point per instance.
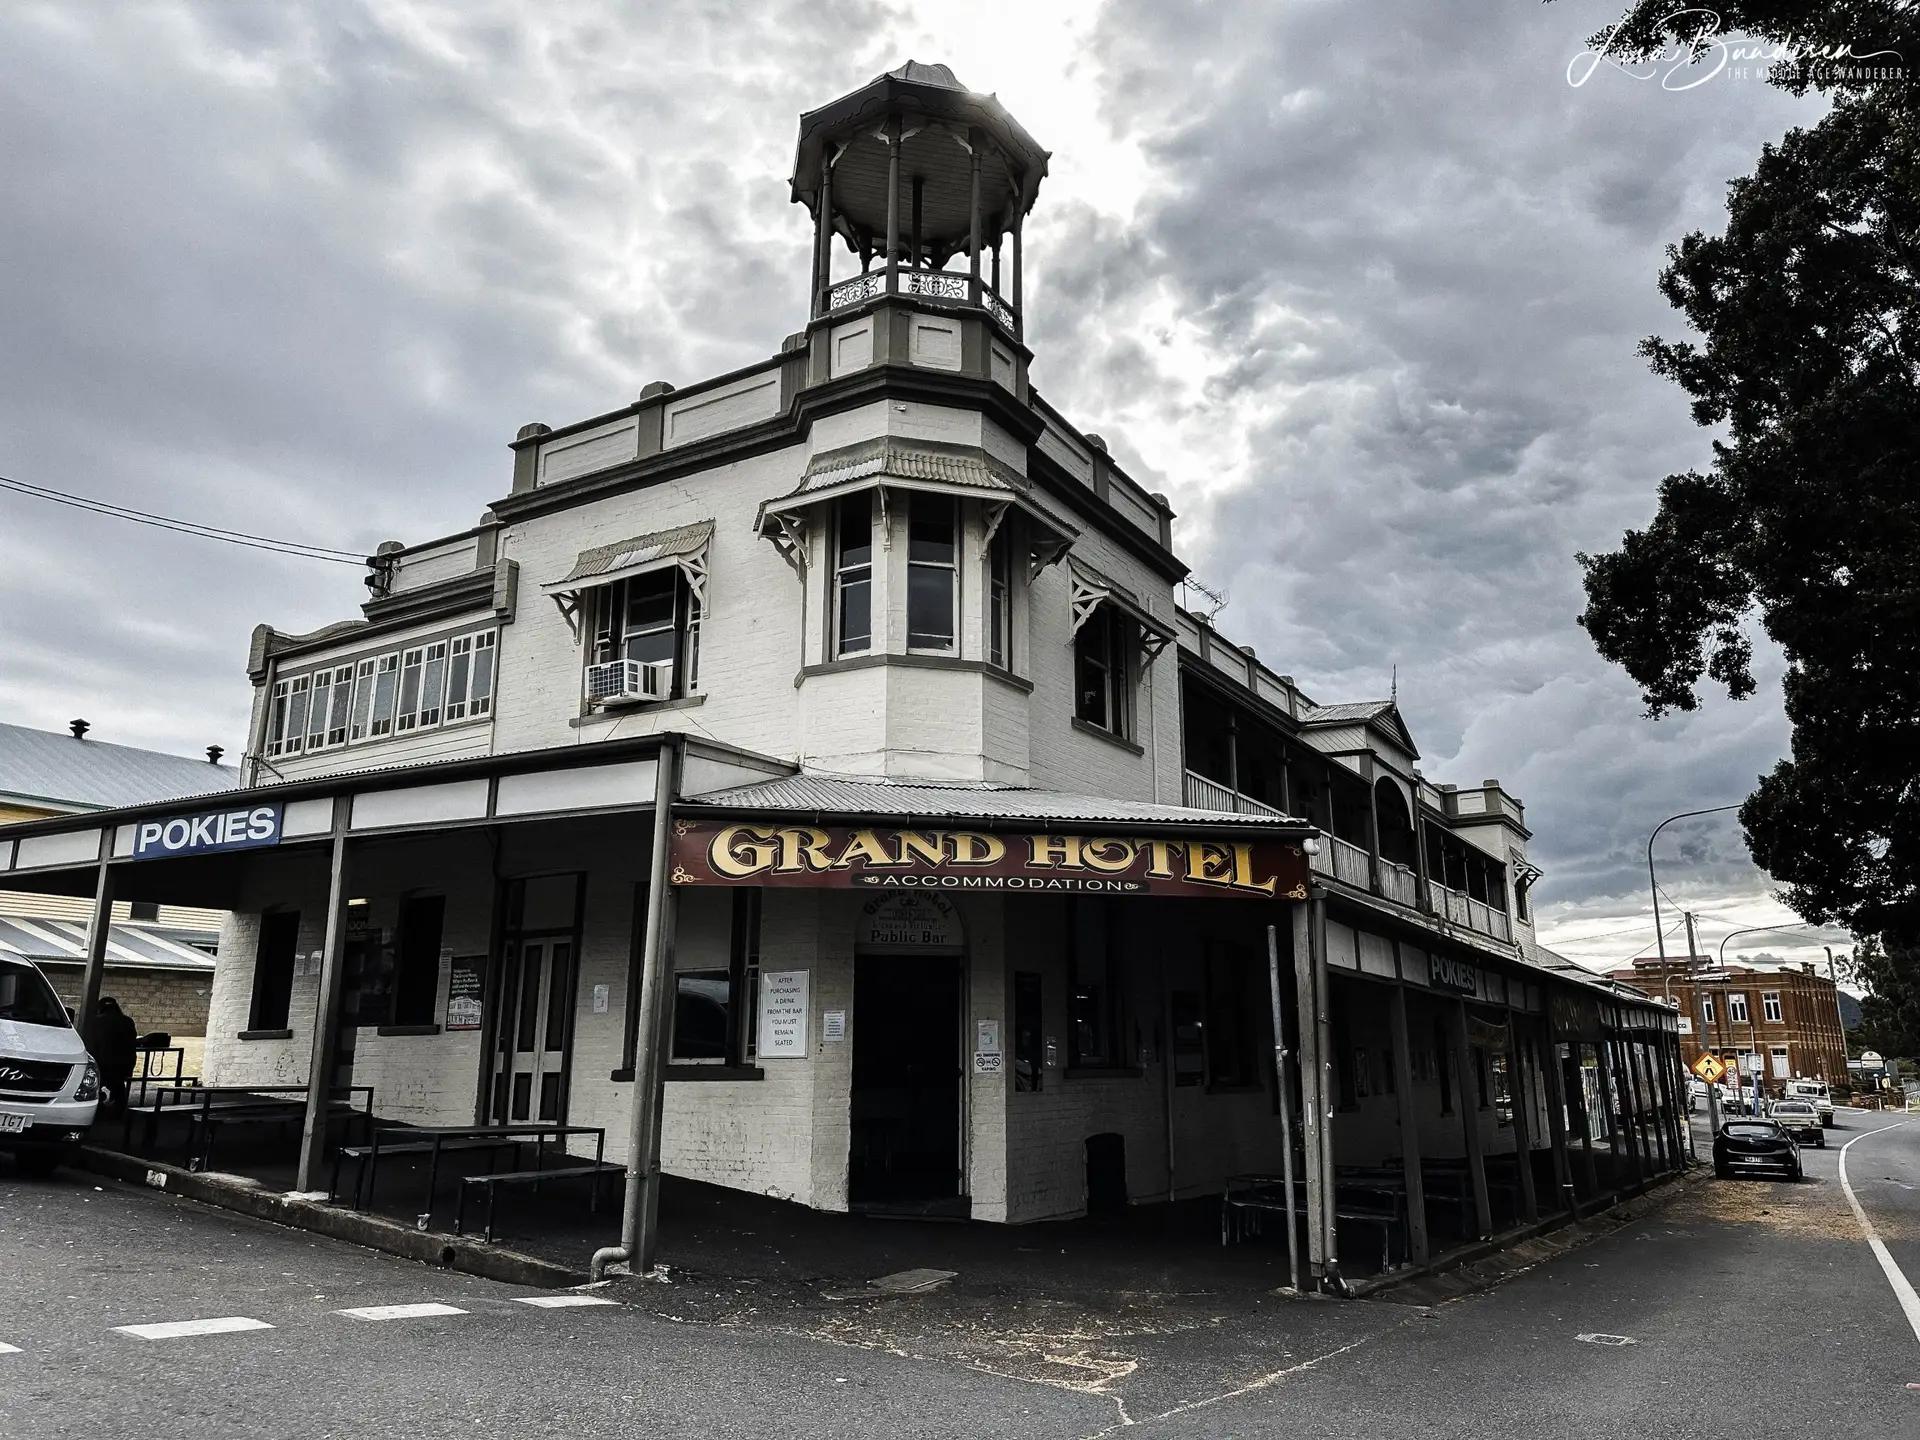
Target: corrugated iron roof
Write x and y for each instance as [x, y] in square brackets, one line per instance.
[1346, 714]
[46, 766]
[129, 946]
[929, 799]
[890, 457]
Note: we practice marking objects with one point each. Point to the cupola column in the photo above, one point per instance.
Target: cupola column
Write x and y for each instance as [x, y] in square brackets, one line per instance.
[973, 237]
[823, 239]
[1017, 300]
[893, 206]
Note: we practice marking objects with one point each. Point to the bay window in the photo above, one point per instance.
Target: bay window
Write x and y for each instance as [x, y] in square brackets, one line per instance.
[999, 601]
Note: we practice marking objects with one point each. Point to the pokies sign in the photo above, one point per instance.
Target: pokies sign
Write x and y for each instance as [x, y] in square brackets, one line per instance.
[715, 852]
[242, 828]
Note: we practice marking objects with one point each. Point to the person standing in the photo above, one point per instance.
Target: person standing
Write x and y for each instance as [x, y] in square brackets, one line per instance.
[111, 1040]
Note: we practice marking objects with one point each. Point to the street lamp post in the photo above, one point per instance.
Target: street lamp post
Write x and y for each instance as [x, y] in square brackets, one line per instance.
[1653, 885]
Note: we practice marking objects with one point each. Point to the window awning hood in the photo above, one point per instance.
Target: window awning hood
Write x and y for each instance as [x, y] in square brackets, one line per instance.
[890, 462]
[683, 545]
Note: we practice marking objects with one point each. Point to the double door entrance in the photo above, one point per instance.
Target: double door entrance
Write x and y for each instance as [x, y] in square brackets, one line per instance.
[539, 974]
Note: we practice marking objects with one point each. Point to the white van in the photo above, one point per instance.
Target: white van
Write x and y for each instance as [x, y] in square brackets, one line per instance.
[49, 1085]
[1817, 1092]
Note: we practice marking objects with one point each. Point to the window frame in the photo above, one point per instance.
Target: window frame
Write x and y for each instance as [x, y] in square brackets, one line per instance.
[356, 701]
[1115, 661]
[999, 600]
[949, 567]
[740, 1043]
[416, 974]
[1108, 1008]
[271, 1009]
[612, 606]
[1737, 1008]
[1771, 1010]
[846, 576]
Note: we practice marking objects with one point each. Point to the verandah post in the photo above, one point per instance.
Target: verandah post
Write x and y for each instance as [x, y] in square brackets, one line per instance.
[99, 927]
[326, 1018]
[1417, 1245]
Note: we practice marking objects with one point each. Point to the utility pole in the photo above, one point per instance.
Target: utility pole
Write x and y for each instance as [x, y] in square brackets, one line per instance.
[1693, 967]
[1839, 1017]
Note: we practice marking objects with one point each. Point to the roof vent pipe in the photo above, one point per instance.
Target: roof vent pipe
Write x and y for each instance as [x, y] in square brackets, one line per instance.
[79, 728]
[214, 752]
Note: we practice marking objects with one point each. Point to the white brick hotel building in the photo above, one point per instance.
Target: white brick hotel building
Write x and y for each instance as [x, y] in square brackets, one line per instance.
[977, 835]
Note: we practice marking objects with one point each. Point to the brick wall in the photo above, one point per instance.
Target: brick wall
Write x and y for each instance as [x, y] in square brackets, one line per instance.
[171, 1000]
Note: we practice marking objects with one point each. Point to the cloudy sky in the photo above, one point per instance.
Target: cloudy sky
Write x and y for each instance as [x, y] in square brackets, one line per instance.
[1358, 285]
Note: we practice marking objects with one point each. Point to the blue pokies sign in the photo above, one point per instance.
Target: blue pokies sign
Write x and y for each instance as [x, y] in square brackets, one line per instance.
[203, 833]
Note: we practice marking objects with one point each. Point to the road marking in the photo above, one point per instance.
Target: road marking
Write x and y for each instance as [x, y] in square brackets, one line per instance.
[401, 1312]
[6, 1349]
[1599, 1339]
[1902, 1287]
[180, 1329]
[562, 1302]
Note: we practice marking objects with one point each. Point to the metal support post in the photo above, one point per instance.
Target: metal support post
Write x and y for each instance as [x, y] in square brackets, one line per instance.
[1281, 1090]
[639, 1219]
[1468, 1091]
[326, 1017]
[973, 232]
[1557, 1123]
[1417, 1243]
[1521, 1094]
[99, 928]
[1312, 1090]
[893, 206]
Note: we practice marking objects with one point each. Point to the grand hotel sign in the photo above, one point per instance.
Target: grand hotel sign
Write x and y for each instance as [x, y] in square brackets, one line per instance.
[709, 852]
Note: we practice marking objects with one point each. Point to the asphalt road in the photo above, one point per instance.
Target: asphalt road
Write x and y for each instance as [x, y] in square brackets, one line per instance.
[1754, 1308]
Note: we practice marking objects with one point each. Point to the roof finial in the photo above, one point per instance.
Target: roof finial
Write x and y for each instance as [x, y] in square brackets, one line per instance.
[1393, 693]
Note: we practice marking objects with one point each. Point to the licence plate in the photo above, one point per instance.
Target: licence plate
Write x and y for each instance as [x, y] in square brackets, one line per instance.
[1751, 1160]
[13, 1124]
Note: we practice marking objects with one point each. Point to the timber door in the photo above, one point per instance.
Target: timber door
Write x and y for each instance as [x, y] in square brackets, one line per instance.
[907, 1074]
[530, 1058]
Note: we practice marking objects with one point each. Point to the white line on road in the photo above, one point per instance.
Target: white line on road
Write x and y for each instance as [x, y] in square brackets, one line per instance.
[180, 1329]
[401, 1312]
[562, 1302]
[6, 1349]
[1902, 1287]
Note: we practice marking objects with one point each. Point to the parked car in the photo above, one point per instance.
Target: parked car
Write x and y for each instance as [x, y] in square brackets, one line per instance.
[49, 1085]
[1752, 1146]
[1817, 1092]
[1800, 1119]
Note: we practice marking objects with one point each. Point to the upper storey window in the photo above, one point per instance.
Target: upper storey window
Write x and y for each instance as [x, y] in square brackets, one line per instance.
[1102, 662]
[853, 574]
[933, 572]
[653, 621]
[1000, 600]
[438, 682]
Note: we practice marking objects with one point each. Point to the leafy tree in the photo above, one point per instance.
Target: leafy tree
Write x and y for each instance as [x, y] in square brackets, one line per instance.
[1890, 1012]
[1807, 363]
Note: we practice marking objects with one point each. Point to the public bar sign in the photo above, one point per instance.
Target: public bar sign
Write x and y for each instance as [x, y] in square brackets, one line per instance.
[244, 827]
[719, 852]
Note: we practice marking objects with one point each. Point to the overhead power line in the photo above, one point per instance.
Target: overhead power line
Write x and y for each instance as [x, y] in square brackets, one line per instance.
[185, 527]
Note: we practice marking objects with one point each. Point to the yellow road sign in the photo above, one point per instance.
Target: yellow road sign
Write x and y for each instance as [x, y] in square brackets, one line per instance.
[1709, 1069]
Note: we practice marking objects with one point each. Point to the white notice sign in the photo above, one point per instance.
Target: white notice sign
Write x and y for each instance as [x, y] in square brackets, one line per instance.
[986, 1064]
[987, 1037]
[833, 1027]
[601, 994]
[783, 1013]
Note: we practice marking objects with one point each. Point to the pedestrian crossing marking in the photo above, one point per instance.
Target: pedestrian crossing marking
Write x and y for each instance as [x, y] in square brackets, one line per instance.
[401, 1312]
[6, 1349]
[562, 1302]
[180, 1329]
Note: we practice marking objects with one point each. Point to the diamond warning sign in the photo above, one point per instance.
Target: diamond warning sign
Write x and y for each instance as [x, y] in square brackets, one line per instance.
[1709, 1069]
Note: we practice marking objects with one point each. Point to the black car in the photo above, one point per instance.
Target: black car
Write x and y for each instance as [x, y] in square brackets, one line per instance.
[1744, 1146]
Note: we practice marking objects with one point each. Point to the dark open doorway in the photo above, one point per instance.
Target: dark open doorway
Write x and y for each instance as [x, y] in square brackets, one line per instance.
[906, 1082]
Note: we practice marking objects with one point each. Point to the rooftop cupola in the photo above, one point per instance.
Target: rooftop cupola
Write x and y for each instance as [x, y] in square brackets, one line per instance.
[914, 171]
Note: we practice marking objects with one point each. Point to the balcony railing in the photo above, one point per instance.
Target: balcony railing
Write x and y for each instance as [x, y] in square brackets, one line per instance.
[1349, 863]
[1205, 794]
[1463, 909]
[1398, 883]
[945, 287]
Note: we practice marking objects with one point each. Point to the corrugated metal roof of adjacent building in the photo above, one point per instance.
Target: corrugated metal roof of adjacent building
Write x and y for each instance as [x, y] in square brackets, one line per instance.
[130, 946]
[62, 772]
[1346, 714]
[930, 799]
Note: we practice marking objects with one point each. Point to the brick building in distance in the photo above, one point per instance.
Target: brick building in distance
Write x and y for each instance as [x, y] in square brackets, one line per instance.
[1790, 1017]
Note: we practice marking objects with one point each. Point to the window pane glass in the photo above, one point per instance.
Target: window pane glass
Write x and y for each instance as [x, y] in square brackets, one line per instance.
[1090, 669]
[386, 675]
[482, 689]
[559, 987]
[1091, 988]
[856, 530]
[701, 1014]
[277, 720]
[930, 528]
[321, 702]
[930, 606]
[459, 667]
[342, 701]
[408, 717]
[434, 677]
[297, 715]
[856, 617]
[362, 701]
[650, 601]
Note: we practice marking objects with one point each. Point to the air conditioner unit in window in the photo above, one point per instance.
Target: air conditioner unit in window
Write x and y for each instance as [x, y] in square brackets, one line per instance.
[621, 682]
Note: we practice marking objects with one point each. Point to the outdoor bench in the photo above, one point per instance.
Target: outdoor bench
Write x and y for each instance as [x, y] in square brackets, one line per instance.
[493, 1182]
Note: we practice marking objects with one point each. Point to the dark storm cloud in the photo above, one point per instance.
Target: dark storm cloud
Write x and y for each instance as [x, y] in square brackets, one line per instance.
[1418, 262]
[302, 269]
